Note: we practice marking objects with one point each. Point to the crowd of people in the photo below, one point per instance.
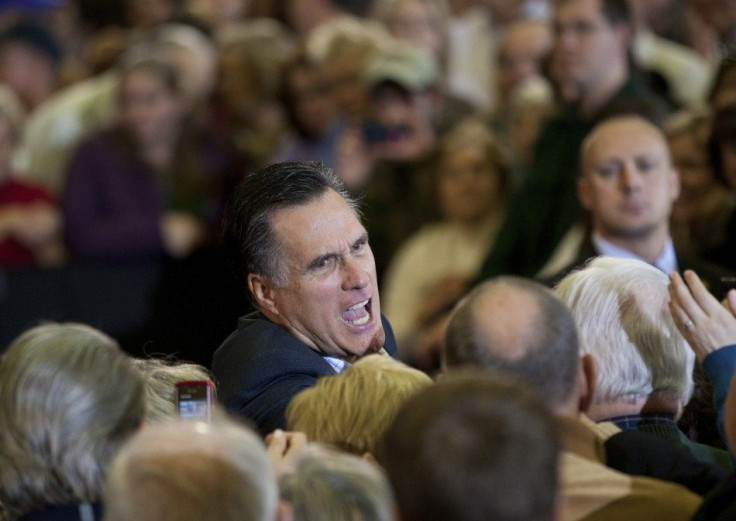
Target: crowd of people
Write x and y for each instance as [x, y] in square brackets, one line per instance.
[482, 251]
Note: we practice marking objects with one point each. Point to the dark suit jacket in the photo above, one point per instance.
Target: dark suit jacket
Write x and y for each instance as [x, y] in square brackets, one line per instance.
[261, 366]
[639, 453]
[710, 273]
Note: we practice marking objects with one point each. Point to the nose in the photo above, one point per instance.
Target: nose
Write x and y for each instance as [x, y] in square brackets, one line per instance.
[630, 178]
[354, 274]
[565, 39]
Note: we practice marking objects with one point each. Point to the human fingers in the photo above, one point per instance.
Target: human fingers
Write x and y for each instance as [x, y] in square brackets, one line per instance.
[700, 293]
[683, 306]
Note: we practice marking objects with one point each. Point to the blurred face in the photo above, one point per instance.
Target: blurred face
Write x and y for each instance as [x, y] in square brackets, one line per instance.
[696, 178]
[524, 47]
[330, 298]
[586, 46]
[344, 74]
[237, 87]
[30, 74]
[406, 119]
[469, 185]
[628, 183]
[149, 110]
[312, 101]
[413, 21]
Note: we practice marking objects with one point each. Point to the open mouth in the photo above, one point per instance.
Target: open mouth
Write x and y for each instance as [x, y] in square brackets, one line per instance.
[358, 314]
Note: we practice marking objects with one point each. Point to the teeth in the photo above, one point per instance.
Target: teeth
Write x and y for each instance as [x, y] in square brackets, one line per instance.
[359, 305]
[358, 314]
[361, 321]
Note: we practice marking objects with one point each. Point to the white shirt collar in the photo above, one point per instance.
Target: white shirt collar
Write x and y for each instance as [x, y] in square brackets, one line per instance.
[666, 262]
[339, 365]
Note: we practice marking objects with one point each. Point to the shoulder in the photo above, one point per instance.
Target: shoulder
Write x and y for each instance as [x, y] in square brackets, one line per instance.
[595, 492]
[260, 346]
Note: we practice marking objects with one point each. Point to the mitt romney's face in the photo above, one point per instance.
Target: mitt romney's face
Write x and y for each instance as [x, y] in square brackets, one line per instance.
[329, 295]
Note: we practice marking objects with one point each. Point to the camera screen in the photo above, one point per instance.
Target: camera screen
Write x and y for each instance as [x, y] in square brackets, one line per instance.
[193, 402]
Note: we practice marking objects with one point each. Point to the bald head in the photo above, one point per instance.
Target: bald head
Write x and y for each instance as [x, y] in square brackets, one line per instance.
[600, 139]
[517, 327]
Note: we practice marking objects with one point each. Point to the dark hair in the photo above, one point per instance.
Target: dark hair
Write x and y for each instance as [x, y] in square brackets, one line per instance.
[616, 11]
[548, 339]
[474, 447]
[723, 133]
[249, 242]
[35, 36]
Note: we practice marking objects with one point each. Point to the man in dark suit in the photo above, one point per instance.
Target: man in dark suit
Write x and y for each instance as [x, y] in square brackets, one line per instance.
[628, 184]
[295, 240]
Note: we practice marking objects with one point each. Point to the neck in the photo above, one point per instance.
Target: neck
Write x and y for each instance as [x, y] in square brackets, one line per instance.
[597, 95]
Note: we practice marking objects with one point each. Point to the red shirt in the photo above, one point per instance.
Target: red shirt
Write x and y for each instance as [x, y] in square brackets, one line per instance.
[13, 191]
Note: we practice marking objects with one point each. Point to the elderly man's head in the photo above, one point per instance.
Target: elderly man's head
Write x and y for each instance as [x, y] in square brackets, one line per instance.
[331, 485]
[296, 242]
[518, 328]
[621, 310]
[190, 470]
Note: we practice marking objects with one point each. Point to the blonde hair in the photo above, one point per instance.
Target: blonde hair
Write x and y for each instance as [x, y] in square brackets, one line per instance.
[160, 377]
[69, 397]
[352, 409]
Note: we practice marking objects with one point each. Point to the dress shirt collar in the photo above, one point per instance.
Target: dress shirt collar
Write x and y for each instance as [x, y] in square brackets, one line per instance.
[666, 262]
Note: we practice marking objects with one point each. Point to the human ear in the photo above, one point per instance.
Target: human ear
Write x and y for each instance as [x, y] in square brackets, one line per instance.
[263, 291]
[586, 381]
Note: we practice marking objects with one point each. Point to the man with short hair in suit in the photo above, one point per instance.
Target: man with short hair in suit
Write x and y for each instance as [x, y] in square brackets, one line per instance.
[294, 238]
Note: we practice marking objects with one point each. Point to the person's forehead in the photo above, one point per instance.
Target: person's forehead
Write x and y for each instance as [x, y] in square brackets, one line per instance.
[570, 10]
[527, 34]
[623, 137]
[327, 212]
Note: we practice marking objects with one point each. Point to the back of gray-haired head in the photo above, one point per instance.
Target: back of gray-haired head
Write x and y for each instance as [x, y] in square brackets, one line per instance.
[621, 310]
[69, 397]
[249, 241]
[190, 471]
[516, 327]
[331, 485]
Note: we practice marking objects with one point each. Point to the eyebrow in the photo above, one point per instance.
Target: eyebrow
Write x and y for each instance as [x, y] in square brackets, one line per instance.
[363, 239]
